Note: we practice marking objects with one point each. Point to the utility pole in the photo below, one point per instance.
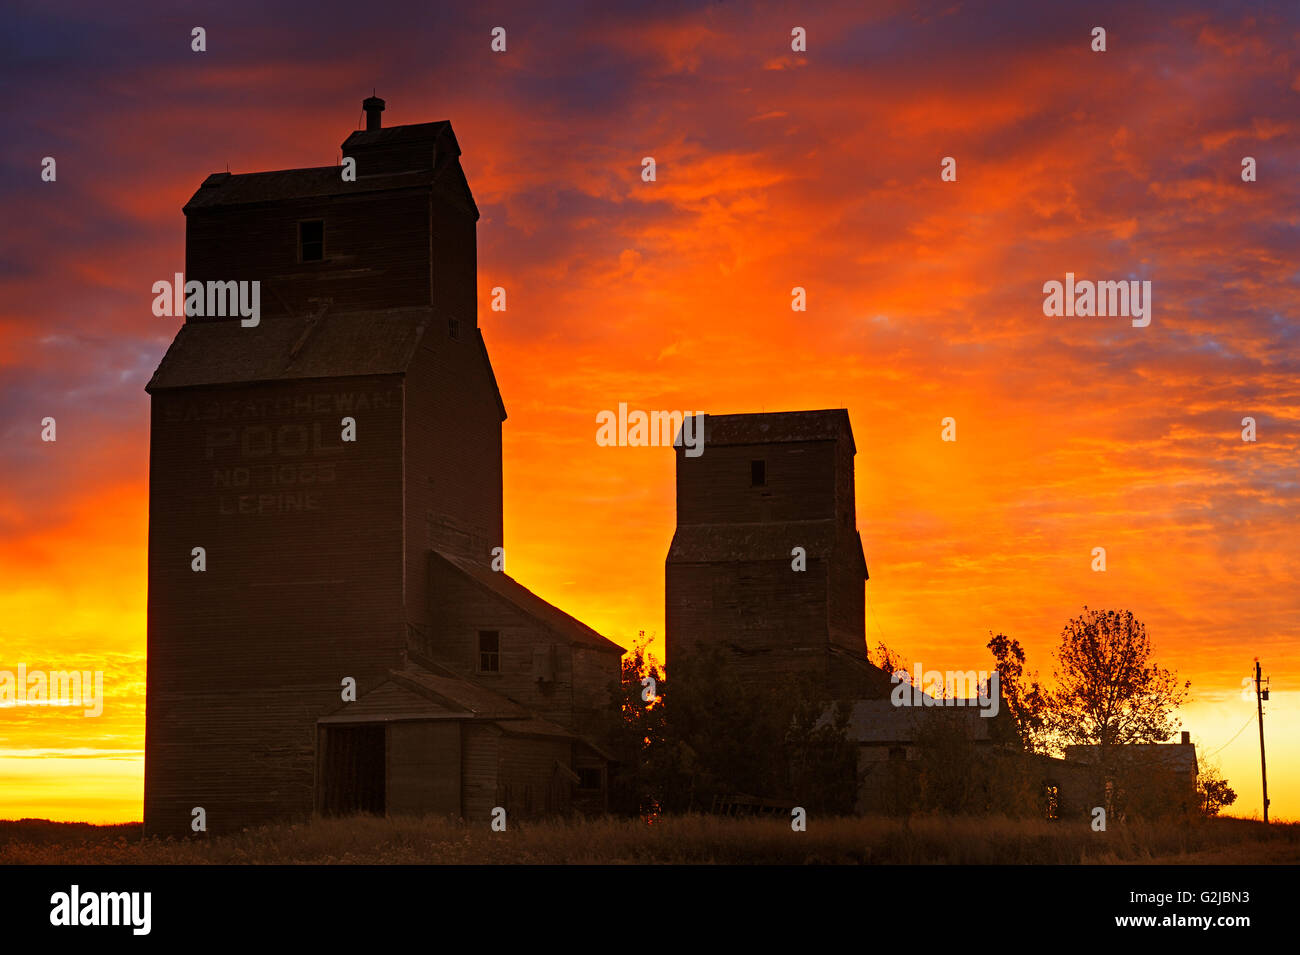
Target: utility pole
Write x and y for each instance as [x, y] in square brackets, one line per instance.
[1260, 696]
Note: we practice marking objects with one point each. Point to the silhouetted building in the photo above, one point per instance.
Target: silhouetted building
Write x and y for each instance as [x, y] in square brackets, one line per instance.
[891, 739]
[1140, 779]
[771, 493]
[331, 559]
[766, 565]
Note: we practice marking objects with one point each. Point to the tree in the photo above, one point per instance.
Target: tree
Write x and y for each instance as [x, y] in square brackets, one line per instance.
[637, 736]
[725, 737]
[1108, 690]
[892, 662]
[822, 762]
[713, 734]
[1213, 789]
[1021, 696]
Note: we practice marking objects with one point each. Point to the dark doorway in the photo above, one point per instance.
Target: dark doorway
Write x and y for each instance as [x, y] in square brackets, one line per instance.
[352, 772]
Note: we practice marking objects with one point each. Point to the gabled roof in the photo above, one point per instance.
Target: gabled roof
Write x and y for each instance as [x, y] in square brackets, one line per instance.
[565, 627]
[425, 690]
[232, 189]
[313, 182]
[777, 427]
[321, 345]
[410, 134]
[389, 702]
[444, 686]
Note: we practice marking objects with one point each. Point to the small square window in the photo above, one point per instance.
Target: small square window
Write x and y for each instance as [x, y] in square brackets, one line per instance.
[453, 328]
[590, 778]
[757, 473]
[489, 651]
[311, 240]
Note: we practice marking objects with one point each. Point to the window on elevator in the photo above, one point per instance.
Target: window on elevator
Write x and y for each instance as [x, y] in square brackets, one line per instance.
[489, 651]
[311, 240]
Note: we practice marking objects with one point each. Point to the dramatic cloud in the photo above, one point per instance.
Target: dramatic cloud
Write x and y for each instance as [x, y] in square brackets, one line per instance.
[774, 170]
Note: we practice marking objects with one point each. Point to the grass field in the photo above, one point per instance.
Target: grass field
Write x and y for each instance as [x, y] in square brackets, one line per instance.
[684, 839]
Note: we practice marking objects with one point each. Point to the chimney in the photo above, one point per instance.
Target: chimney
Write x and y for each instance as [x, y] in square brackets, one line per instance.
[1187, 738]
[373, 106]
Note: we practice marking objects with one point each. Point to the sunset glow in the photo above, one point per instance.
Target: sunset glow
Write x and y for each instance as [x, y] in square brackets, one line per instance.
[925, 301]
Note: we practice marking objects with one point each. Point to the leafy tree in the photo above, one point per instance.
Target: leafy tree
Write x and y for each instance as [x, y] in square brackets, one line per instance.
[891, 661]
[727, 737]
[636, 736]
[1108, 690]
[1110, 694]
[1214, 791]
[1021, 696]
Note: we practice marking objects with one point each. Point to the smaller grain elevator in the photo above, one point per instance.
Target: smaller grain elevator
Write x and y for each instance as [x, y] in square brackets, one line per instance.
[765, 485]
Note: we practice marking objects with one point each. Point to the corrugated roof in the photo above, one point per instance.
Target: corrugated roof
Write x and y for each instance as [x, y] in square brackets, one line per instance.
[757, 541]
[509, 589]
[287, 347]
[229, 189]
[777, 426]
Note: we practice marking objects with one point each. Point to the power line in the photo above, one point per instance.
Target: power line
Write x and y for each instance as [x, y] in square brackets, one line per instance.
[1249, 720]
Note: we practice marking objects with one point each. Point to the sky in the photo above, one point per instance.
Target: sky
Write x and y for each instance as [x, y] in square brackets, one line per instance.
[774, 170]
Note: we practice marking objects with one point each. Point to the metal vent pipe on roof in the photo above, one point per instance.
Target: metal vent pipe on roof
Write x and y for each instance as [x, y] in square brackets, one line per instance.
[373, 106]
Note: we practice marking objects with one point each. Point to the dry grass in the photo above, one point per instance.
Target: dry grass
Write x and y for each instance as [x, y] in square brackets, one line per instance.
[686, 839]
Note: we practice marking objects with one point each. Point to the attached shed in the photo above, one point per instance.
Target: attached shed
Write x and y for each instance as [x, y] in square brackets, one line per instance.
[427, 742]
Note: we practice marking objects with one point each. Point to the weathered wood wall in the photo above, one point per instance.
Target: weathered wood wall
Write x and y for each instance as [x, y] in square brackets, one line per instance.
[303, 540]
[424, 760]
[376, 250]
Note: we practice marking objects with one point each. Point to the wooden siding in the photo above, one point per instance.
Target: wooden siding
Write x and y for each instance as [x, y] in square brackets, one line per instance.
[480, 761]
[714, 488]
[772, 618]
[377, 250]
[596, 676]
[303, 587]
[453, 258]
[453, 460]
[424, 768]
[729, 582]
[462, 608]
[531, 781]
